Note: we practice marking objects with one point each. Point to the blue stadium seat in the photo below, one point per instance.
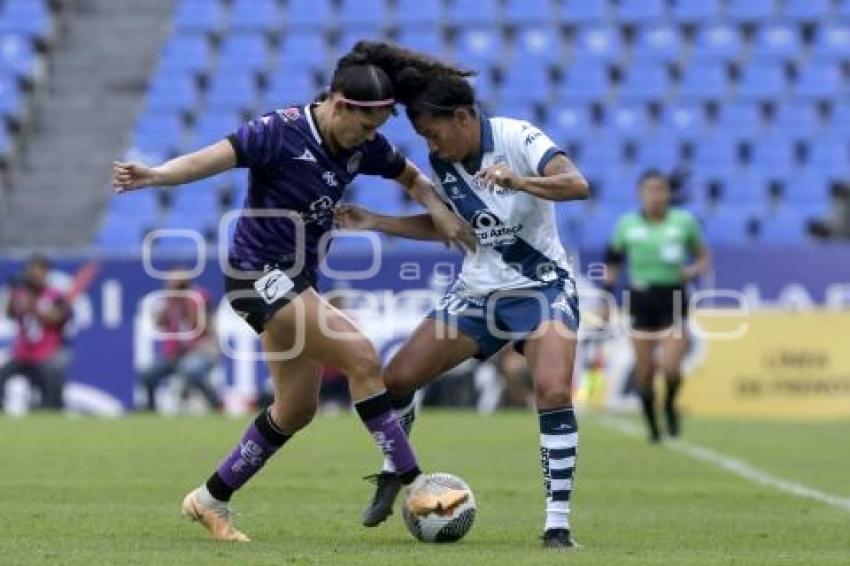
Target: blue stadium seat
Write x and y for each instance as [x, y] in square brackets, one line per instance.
[479, 47]
[425, 39]
[172, 92]
[158, 132]
[584, 81]
[289, 87]
[704, 80]
[750, 11]
[525, 83]
[256, 15]
[774, 156]
[200, 16]
[379, 195]
[696, 11]
[302, 50]
[121, 234]
[474, 12]
[784, 226]
[186, 53]
[569, 120]
[740, 119]
[762, 81]
[27, 17]
[350, 36]
[717, 42]
[645, 82]
[244, 51]
[542, 44]
[831, 156]
[832, 42]
[308, 14]
[776, 41]
[808, 186]
[600, 43]
[18, 55]
[363, 14]
[798, 119]
[213, 126]
[638, 12]
[137, 206]
[806, 11]
[580, 13]
[627, 121]
[745, 186]
[840, 115]
[399, 131]
[844, 9]
[658, 43]
[728, 225]
[685, 121]
[717, 152]
[199, 200]
[819, 81]
[602, 154]
[659, 150]
[11, 101]
[232, 89]
[419, 13]
[529, 12]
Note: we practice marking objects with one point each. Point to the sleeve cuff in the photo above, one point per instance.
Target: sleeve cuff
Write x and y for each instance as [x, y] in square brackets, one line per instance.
[394, 170]
[547, 157]
[241, 160]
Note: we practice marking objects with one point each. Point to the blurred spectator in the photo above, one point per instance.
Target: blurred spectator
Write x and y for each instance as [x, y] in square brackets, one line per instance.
[189, 349]
[39, 352]
[837, 226]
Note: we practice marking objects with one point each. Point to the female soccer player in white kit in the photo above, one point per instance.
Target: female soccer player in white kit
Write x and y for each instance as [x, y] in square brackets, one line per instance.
[502, 176]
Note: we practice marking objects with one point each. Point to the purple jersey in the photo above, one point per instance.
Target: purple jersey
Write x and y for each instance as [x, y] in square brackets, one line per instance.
[292, 169]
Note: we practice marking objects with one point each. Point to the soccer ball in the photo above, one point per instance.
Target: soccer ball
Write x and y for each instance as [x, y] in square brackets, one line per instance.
[450, 526]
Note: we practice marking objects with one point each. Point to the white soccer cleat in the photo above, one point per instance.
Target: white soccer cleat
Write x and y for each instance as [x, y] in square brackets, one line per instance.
[215, 516]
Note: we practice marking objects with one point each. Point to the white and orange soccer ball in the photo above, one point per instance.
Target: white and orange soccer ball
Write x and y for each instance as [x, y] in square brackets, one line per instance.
[449, 524]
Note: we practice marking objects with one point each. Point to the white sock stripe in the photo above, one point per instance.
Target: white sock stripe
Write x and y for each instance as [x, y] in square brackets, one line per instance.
[562, 463]
[558, 506]
[559, 440]
[561, 485]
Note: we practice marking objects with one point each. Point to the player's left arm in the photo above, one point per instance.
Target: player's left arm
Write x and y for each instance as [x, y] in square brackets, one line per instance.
[547, 173]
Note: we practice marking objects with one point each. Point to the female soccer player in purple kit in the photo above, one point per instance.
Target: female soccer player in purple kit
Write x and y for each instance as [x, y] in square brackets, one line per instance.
[301, 159]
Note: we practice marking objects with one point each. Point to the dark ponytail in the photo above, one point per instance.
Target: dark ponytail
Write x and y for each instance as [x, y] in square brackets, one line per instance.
[421, 83]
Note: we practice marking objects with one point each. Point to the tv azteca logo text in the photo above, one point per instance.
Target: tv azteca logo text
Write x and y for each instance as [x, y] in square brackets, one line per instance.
[491, 231]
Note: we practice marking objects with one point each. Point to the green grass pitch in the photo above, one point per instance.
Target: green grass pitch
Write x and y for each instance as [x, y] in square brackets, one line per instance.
[84, 491]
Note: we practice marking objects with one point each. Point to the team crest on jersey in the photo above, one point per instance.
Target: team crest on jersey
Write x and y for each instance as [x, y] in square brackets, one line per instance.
[449, 178]
[288, 114]
[330, 179]
[353, 165]
[321, 211]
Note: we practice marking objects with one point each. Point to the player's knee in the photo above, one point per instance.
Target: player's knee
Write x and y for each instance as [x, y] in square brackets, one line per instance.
[400, 378]
[553, 388]
[291, 418]
[363, 365]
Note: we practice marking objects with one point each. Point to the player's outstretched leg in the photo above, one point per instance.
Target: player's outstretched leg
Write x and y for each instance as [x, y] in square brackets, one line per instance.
[432, 349]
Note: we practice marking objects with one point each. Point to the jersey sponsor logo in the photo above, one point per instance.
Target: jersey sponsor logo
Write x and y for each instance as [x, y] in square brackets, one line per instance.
[306, 155]
[273, 285]
[491, 231]
[534, 135]
[353, 165]
[454, 192]
[330, 179]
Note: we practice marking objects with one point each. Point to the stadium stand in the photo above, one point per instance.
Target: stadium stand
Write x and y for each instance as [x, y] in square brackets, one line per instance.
[749, 96]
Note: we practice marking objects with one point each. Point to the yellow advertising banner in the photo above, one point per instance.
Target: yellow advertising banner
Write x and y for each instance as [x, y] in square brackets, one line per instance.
[772, 365]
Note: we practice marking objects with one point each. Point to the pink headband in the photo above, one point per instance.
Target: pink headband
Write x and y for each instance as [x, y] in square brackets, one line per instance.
[370, 103]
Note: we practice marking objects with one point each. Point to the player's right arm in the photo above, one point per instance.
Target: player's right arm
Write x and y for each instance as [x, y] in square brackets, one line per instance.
[201, 164]
[418, 227]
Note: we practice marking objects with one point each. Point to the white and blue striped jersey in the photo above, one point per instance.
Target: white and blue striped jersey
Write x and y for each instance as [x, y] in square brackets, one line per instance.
[518, 244]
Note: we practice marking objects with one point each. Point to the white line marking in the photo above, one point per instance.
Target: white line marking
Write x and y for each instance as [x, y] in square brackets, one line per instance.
[732, 465]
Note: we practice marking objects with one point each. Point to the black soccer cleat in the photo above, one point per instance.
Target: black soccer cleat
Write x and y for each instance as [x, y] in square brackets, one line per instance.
[387, 486]
[559, 539]
[672, 416]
